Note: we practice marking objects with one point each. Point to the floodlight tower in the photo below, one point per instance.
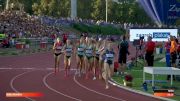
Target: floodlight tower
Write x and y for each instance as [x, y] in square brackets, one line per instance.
[73, 9]
[7, 4]
[106, 10]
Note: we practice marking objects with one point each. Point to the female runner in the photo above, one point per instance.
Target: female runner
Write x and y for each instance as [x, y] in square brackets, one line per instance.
[88, 56]
[68, 50]
[80, 56]
[108, 64]
[102, 57]
[57, 49]
[96, 58]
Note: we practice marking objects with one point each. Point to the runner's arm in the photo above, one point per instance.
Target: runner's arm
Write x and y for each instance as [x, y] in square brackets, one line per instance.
[101, 49]
[54, 47]
[63, 49]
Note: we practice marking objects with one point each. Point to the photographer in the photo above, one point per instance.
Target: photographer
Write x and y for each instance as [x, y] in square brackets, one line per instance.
[141, 38]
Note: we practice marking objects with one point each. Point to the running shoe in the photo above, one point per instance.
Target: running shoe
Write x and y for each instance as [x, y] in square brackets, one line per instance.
[94, 78]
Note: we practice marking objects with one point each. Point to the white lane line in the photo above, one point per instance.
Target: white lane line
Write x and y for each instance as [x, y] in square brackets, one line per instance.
[54, 90]
[5, 68]
[61, 69]
[18, 76]
[91, 90]
[29, 69]
[23, 68]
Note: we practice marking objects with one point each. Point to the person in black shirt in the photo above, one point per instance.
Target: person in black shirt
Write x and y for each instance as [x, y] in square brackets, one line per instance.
[123, 51]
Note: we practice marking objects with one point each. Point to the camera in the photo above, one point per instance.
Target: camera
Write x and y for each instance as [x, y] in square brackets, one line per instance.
[141, 37]
[136, 42]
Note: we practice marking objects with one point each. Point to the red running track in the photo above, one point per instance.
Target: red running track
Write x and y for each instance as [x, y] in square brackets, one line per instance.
[37, 77]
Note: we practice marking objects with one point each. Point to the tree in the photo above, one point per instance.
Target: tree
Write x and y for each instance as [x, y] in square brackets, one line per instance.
[2, 3]
[64, 7]
[99, 10]
[55, 8]
[18, 4]
[118, 11]
[84, 9]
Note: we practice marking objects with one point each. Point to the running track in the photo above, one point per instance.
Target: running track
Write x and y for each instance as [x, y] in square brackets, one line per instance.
[34, 73]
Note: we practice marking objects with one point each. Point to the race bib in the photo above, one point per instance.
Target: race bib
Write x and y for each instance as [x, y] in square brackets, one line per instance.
[109, 55]
[69, 50]
[68, 54]
[88, 51]
[59, 47]
[80, 49]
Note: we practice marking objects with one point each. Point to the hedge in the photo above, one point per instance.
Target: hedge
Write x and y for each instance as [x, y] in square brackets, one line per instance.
[107, 30]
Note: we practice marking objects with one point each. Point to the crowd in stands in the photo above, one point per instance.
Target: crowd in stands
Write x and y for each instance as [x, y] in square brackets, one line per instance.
[68, 21]
[19, 24]
[16, 24]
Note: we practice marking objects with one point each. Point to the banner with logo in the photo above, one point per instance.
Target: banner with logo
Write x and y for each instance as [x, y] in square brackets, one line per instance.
[156, 34]
[162, 11]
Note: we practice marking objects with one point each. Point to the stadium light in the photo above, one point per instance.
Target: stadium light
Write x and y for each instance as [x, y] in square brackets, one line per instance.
[7, 4]
[106, 10]
[73, 9]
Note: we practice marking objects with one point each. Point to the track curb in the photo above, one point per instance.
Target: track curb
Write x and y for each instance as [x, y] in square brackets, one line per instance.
[114, 83]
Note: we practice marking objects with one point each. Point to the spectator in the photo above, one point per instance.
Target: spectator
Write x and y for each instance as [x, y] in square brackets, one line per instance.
[149, 48]
[123, 51]
[167, 46]
[173, 51]
[5, 43]
[19, 24]
[64, 38]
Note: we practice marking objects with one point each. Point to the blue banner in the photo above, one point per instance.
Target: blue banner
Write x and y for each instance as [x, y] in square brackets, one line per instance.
[162, 11]
[161, 34]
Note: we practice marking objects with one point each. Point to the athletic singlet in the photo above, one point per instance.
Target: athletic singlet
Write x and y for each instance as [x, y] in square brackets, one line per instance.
[89, 51]
[68, 50]
[58, 46]
[109, 56]
[81, 49]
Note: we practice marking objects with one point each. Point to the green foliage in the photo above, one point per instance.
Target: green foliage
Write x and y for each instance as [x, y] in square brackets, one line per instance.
[125, 11]
[99, 9]
[84, 9]
[55, 8]
[137, 73]
[109, 30]
[2, 3]
[28, 5]
[2, 36]
[25, 4]
[27, 41]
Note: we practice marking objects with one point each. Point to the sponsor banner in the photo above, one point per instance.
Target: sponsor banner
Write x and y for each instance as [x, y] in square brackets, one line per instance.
[156, 34]
[163, 11]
